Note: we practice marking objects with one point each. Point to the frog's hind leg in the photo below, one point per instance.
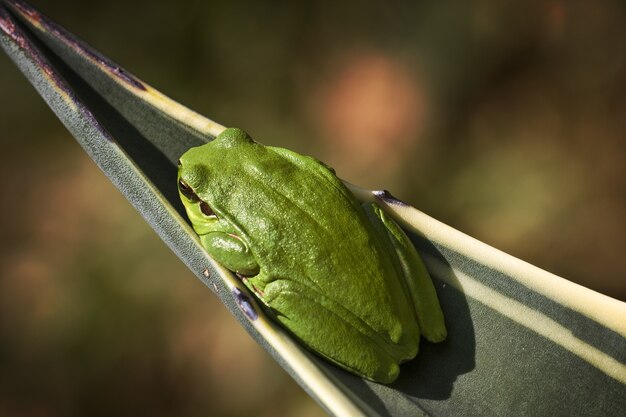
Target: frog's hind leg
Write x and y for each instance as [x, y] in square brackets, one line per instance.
[418, 282]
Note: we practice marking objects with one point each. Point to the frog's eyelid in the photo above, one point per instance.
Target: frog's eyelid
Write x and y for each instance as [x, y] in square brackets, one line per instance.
[206, 210]
[187, 191]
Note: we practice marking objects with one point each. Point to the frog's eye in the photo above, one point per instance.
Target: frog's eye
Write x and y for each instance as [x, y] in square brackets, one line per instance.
[206, 210]
[187, 191]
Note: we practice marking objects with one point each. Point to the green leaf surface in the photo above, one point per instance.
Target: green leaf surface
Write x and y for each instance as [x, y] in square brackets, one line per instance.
[521, 341]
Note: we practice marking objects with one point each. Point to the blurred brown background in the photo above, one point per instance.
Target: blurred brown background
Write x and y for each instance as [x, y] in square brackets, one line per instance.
[504, 119]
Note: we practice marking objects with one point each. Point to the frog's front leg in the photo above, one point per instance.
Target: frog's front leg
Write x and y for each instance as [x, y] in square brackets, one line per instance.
[411, 268]
[232, 252]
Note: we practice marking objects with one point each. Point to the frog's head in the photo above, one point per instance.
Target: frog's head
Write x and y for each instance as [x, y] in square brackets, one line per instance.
[192, 179]
[197, 169]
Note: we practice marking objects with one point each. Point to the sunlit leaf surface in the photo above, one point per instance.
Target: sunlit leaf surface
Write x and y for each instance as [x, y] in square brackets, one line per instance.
[521, 341]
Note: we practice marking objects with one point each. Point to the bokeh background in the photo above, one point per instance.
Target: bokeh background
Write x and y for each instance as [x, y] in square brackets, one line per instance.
[504, 119]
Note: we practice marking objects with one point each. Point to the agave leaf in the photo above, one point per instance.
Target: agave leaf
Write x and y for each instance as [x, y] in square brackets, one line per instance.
[521, 340]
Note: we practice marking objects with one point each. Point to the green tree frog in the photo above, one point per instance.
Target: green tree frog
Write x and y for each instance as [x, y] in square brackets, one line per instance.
[341, 276]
